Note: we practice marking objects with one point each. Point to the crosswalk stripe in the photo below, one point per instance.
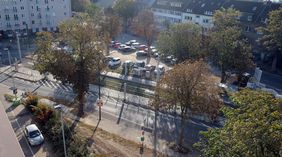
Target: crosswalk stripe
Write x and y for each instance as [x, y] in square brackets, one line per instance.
[63, 87]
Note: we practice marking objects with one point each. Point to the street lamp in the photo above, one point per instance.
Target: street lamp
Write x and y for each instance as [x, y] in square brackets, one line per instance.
[59, 107]
[19, 46]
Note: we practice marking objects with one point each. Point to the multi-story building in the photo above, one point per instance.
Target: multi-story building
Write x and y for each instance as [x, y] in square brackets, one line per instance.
[32, 15]
[201, 11]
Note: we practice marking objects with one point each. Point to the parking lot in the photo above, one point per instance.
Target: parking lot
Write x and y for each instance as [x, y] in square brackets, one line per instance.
[124, 50]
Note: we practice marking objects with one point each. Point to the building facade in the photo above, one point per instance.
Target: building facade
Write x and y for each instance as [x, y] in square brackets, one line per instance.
[200, 12]
[32, 15]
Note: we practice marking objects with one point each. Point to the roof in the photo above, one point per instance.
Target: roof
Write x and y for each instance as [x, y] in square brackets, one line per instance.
[31, 127]
[258, 10]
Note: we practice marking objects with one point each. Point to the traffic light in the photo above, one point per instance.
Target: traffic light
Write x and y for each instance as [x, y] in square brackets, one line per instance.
[15, 91]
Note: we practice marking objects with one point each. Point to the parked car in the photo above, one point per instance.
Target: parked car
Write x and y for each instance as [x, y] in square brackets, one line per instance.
[121, 46]
[141, 47]
[108, 59]
[141, 53]
[138, 64]
[170, 59]
[127, 49]
[130, 42]
[135, 45]
[112, 43]
[115, 62]
[161, 70]
[34, 135]
[116, 45]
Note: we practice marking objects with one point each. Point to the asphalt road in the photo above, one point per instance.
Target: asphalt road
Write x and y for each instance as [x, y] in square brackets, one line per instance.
[114, 110]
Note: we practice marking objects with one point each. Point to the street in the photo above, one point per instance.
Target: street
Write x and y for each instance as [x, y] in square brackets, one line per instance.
[19, 118]
[133, 116]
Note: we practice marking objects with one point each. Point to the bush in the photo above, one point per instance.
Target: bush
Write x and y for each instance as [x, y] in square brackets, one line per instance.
[42, 113]
[31, 101]
[78, 147]
[9, 97]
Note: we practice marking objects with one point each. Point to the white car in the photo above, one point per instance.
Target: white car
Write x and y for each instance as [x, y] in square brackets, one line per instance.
[114, 62]
[161, 70]
[33, 135]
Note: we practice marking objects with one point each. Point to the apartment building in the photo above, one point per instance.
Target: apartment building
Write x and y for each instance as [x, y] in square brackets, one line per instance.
[253, 14]
[23, 16]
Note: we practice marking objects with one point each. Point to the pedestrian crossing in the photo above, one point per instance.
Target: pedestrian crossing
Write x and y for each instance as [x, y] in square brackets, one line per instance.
[54, 85]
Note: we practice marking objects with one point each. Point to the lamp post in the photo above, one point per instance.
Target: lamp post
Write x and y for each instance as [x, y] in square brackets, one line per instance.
[19, 46]
[59, 107]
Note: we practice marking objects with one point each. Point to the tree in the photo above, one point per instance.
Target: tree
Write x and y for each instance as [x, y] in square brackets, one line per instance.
[188, 91]
[111, 25]
[126, 9]
[79, 67]
[272, 39]
[227, 47]
[251, 129]
[79, 5]
[181, 40]
[144, 25]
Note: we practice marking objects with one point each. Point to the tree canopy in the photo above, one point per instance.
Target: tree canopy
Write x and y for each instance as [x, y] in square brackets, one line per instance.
[144, 25]
[227, 47]
[126, 9]
[82, 64]
[254, 128]
[272, 39]
[181, 40]
[188, 88]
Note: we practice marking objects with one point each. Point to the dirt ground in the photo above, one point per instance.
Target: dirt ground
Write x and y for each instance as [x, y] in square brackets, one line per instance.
[105, 144]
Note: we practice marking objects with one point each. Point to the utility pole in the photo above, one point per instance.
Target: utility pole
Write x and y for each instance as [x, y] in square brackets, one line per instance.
[59, 107]
[156, 114]
[124, 92]
[19, 47]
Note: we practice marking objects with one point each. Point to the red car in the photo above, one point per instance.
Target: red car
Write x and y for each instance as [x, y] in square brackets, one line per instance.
[116, 45]
[142, 47]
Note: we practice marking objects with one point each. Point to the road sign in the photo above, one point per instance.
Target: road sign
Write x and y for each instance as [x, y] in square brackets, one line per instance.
[100, 103]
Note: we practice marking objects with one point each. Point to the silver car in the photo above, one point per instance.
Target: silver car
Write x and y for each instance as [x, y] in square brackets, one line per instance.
[33, 135]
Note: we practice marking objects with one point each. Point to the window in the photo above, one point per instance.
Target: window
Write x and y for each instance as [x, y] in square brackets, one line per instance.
[32, 22]
[205, 21]
[188, 18]
[197, 16]
[22, 8]
[16, 17]
[7, 17]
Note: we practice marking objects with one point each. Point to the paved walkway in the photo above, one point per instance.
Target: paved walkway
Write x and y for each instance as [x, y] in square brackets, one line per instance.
[9, 145]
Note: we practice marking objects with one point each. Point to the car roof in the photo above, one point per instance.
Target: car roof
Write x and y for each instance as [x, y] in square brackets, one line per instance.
[31, 127]
[116, 58]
